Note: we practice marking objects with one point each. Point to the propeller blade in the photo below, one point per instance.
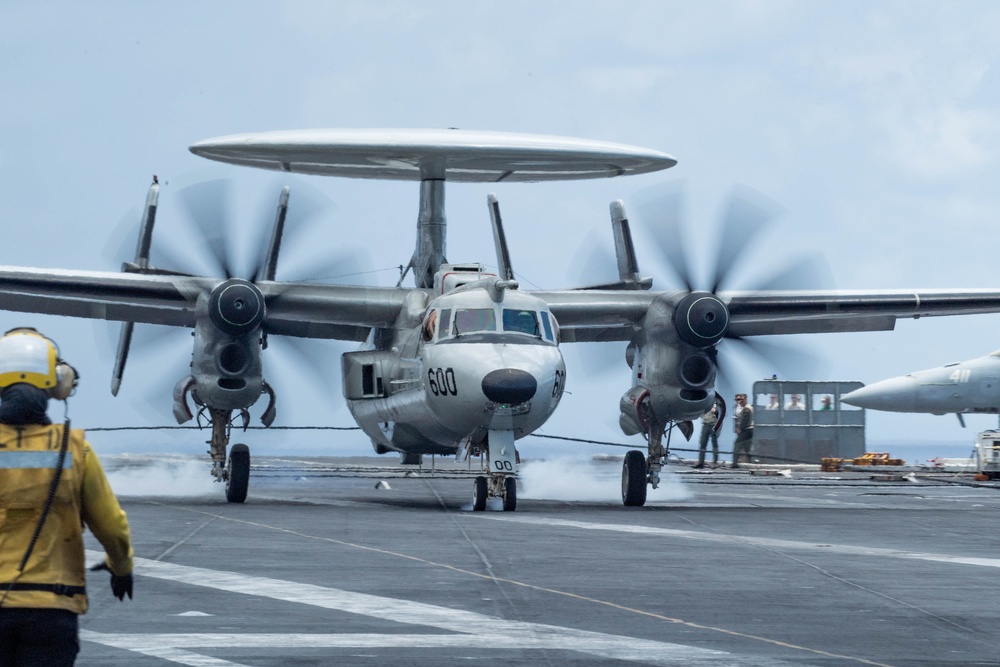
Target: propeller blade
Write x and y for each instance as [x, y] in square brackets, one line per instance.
[594, 262]
[660, 207]
[810, 273]
[161, 355]
[207, 206]
[314, 363]
[293, 233]
[747, 215]
[780, 357]
[342, 267]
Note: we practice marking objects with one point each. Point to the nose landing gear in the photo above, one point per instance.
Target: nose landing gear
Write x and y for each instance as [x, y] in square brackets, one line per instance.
[498, 486]
[502, 460]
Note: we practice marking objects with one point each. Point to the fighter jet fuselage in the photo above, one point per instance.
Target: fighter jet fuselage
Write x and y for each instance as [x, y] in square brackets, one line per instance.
[971, 386]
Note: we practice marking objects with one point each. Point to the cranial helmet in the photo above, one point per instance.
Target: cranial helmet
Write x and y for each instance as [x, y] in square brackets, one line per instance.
[29, 357]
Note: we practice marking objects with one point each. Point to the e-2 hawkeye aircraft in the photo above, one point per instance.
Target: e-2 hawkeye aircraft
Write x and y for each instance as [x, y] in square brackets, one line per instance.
[464, 361]
[966, 387]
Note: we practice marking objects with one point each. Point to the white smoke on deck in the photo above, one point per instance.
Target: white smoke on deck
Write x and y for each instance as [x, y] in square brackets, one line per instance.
[587, 480]
[163, 475]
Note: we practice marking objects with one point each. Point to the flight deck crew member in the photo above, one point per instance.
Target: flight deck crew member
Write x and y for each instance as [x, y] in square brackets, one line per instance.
[744, 430]
[51, 483]
[708, 430]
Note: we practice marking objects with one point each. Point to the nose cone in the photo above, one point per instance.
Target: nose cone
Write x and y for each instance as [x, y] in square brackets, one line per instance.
[509, 386]
[893, 395]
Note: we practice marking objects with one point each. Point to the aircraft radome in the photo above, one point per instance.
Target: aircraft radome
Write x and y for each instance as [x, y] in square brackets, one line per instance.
[967, 387]
[464, 361]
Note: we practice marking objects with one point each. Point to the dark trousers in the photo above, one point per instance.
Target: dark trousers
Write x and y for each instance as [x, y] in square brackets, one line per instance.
[706, 433]
[38, 637]
[743, 446]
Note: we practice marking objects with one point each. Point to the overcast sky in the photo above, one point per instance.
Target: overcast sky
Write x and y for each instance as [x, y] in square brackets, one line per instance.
[874, 124]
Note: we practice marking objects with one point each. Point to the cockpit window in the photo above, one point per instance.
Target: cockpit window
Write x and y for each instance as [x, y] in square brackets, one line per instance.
[523, 321]
[546, 326]
[444, 330]
[475, 319]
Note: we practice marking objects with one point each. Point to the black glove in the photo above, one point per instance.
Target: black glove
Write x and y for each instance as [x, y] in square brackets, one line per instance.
[120, 584]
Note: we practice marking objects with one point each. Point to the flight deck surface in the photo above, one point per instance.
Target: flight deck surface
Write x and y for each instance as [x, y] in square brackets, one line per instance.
[324, 565]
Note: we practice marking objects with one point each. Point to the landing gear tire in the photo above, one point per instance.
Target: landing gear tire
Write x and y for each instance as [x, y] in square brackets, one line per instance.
[634, 479]
[509, 494]
[482, 489]
[238, 480]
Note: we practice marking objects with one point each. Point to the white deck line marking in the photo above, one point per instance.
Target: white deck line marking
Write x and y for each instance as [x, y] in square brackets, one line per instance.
[825, 547]
[474, 629]
[164, 652]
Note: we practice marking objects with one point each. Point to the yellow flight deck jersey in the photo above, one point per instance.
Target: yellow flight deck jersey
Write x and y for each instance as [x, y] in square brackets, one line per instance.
[53, 577]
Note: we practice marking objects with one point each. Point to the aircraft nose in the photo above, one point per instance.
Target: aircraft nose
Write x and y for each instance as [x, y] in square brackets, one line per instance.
[509, 386]
[893, 395]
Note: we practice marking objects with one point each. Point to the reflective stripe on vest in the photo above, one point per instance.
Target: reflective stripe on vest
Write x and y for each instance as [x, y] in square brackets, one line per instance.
[22, 460]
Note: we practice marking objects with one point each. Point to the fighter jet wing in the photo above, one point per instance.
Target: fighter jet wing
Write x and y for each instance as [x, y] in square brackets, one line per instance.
[610, 315]
[307, 310]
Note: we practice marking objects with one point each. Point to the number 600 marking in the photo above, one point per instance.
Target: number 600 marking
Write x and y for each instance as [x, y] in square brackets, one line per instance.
[442, 381]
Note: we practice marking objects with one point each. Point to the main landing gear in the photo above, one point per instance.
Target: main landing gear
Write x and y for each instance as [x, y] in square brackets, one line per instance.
[502, 460]
[634, 479]
[235, 471]
[639, 470]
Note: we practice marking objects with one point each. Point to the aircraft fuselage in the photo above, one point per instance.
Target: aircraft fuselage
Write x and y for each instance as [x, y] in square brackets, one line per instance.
[971, 386]
[444, 383]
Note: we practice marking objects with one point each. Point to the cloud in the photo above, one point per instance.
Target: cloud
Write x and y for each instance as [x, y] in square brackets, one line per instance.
[943, 141]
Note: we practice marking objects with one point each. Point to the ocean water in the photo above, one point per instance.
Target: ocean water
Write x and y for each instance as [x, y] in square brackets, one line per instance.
[353, 443]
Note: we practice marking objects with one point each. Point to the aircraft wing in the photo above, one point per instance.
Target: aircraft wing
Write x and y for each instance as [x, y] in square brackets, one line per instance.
[345, 312]
[613, 315]
[340, 312]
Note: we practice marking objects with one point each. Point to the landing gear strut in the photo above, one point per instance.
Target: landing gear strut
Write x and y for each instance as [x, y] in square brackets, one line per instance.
[235, 472]
[638, 470]
[502, 460]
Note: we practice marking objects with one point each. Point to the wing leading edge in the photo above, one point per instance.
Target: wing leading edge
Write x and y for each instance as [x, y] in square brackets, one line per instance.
[340, 312]
[345, 312]
[605, 315]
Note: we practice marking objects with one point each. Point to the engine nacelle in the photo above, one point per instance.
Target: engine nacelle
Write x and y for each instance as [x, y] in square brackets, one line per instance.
[227, 366]
[673, 360]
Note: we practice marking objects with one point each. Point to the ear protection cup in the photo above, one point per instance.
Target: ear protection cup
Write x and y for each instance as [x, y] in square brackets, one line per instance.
[66, 381]
[28, 356]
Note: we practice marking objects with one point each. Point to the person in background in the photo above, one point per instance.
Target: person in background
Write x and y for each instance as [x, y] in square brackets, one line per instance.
[744, 430]
[51, 484]
[795, 403]
[773, 405]
[709, 420]
[826, 403]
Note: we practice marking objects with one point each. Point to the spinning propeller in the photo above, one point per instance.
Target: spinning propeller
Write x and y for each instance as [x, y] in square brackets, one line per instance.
[231, 312]
[746, 221]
